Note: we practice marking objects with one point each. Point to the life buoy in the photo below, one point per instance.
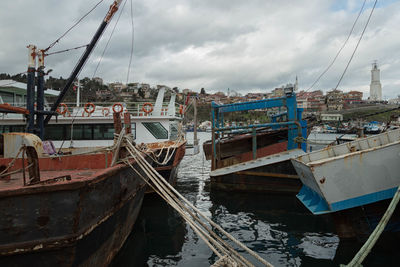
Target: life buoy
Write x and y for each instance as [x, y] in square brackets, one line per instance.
[64, 108]
[121, 108]
[149, 109]
[181, 109]
[87, 110]
[105, 112]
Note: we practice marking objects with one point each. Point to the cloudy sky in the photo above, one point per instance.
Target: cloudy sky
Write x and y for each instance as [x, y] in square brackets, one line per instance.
[247, 46]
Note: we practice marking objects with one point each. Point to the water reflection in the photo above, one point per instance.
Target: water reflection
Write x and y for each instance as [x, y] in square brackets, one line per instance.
[277, 227]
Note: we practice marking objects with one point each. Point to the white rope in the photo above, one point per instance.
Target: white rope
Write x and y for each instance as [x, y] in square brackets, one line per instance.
[182, 210]
[369, 244]
[3, 173]
[168, 155]
[172, 196]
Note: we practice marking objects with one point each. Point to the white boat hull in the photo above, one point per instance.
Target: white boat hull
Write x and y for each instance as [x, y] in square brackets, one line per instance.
[350, 175]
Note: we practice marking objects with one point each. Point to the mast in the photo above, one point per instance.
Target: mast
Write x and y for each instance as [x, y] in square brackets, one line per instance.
[30, 88]
[40, 95]
[113, 9]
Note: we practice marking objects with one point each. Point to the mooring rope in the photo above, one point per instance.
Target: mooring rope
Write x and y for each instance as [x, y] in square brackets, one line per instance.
[159, 187]
[177, 201]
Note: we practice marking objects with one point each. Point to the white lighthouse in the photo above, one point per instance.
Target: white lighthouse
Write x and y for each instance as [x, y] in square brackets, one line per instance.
[375, 89]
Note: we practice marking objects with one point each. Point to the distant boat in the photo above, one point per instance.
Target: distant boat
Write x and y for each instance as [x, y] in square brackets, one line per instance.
[350, 179]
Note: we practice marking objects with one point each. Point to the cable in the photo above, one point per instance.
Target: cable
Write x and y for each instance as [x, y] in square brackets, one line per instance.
[130, 59]
[359, 40]
[340, 50]
[109, 39]
[65, 33]
[66, 50]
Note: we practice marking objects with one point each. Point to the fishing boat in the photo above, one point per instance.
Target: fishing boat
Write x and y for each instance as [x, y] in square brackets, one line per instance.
[155, 127]
[354, 181]
[66, 209]
[259, 159]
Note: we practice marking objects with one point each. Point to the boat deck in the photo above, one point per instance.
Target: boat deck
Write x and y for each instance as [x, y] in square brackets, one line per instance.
[16, 181]
[56, 170]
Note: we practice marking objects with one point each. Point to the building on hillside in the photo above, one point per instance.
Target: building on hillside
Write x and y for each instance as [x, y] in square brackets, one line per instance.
[310, 101]
[254, 96]
[104, 95]
[352, 97]
[277, 92]
[395, 101]
[14, 93]
[98, 80]
[331, 117]
[334, 99]
[117, 86]
[375, 88]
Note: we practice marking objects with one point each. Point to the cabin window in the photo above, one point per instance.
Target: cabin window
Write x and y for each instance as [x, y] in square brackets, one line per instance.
[156, 129]
[12, 128]
[133, 125]
[7, 97]
[173, 129]
[103, 132]
[54, 132]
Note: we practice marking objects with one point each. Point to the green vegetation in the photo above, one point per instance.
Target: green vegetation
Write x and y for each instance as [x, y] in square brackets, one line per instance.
[361, 113]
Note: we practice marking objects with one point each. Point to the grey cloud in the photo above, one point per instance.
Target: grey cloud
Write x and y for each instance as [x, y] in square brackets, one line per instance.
[242, 45]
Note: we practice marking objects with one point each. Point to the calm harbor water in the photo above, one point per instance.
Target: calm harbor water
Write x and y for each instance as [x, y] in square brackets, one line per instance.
[277, 227]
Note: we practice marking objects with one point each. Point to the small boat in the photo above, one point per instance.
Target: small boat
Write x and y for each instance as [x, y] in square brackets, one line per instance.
[353, 181]
[259, 159]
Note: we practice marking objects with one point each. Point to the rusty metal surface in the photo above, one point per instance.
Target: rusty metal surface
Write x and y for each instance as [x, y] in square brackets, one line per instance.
[345, 172]
[14, 141]
[8, 107]
[256, 180]
[240, 144]
[81, 221]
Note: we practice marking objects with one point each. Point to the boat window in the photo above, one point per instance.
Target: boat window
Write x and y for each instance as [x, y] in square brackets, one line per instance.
[133, 125]
[156, 129]
[54, 132]
[7, 97]
[103, 132]
[82, 132]
[12, 128]
[59, 132]
[173, 129]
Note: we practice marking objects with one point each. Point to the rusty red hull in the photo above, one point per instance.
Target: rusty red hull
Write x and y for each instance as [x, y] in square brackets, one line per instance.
[242, 145]
[275, 178]
[81, 221]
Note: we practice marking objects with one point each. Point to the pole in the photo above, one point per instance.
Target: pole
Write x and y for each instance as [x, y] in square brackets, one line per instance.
[40, 95]
[78, 94]
[195, 141]
[113, 9]
[30, 89]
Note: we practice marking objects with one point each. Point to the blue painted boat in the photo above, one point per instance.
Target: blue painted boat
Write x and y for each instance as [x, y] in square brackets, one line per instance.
[352, 175]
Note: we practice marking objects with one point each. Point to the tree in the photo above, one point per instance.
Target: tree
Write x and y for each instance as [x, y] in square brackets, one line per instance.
[202, 91]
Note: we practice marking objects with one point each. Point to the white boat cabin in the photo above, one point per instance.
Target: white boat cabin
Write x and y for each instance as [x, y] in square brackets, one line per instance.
[92, 124]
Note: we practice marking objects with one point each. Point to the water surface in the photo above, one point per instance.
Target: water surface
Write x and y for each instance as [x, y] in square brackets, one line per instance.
[277, 227]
